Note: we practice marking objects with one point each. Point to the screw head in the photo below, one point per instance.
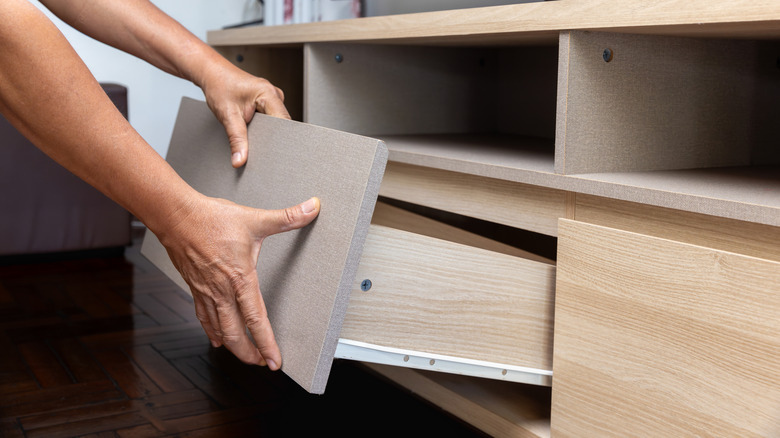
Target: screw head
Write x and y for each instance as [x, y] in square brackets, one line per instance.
[339, 57]
[607, 55]
[240, 58]
[365, 285]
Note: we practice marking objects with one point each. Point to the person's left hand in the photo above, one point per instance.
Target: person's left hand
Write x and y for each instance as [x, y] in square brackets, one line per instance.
[234, 96]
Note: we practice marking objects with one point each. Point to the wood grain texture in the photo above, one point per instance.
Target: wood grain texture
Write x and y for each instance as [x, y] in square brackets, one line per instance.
[306, 298]
[660, 103]
[500, 409]
[659, 338]
[531, 23]
[399, 219]
[746, 238]
[440, 297]
[522, 206]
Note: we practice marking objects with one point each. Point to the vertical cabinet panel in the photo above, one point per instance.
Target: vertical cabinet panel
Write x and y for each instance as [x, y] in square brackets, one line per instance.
[647, 102]
[659, 338]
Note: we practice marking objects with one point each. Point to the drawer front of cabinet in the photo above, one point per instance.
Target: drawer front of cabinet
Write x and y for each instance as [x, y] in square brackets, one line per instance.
[658, 338]
[436, 296]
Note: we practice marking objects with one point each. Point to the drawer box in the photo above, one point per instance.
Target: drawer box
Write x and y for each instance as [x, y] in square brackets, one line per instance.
[441, 292]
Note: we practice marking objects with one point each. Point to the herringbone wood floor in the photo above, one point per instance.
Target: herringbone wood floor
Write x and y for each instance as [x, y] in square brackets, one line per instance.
[109, 347]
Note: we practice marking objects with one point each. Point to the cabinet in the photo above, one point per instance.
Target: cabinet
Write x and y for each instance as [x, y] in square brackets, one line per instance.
[633, 148]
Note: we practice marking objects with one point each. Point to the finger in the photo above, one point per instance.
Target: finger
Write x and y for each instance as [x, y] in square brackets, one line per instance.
[205, 317]
[291, 218]
[235, 127]
[234, 336]
[252, 307]
[273, 105]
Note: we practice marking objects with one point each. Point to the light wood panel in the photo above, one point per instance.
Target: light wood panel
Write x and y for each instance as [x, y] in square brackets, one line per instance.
[659, 338]
[500, 409]
[523, 206]
[530, 23]
[747, 193]
[719, 233]
[399, 219]
[659, 103]
[305, 275]
[440, 297]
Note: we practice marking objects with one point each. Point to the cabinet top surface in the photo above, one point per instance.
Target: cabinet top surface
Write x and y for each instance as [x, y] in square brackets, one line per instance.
[528, 23]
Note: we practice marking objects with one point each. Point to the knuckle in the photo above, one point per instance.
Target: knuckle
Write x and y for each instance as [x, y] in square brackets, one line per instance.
[255, 319]
[289, 217]
[238, 282]
[231, 340]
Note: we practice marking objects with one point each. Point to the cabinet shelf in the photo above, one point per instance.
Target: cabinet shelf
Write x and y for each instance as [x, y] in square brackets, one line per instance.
[499, 156]
[749, 193]
[524, 23]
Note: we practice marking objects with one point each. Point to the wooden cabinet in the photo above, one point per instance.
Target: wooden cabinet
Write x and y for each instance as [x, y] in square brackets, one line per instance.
[639, 138]
[655, 337]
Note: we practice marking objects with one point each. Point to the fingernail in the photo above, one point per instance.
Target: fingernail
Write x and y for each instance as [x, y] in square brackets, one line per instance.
[309, 206]
[272, 365]
[236, 157]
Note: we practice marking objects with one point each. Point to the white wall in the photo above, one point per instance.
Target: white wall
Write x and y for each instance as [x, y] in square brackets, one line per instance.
[153, 96]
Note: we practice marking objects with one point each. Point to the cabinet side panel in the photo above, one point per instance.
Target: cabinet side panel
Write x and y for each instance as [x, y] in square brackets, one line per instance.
[659, 338]
[654, 103]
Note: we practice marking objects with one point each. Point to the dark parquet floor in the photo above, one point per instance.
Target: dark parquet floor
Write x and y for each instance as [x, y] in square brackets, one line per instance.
[109, 347]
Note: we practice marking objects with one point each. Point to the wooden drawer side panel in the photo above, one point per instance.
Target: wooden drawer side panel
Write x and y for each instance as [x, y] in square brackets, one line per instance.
[659, 338]
[440, 297]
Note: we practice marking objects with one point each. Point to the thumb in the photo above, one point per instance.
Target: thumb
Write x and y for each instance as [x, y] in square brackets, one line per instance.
[291, 218]
[235, 127]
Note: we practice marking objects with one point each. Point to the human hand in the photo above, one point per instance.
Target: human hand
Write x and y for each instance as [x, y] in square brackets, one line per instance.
[215, 245]
[234, 96]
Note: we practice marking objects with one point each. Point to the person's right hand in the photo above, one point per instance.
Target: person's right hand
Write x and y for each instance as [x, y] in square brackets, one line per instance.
[215, 245]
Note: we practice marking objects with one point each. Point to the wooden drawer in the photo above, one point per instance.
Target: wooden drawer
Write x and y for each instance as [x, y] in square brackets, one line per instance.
[440, 294]
[655, 337]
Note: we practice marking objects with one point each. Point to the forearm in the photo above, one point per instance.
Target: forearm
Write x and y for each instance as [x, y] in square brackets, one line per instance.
[51, 97]
[138, 27]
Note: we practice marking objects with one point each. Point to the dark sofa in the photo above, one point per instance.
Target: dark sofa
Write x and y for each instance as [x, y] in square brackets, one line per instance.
[45, 209]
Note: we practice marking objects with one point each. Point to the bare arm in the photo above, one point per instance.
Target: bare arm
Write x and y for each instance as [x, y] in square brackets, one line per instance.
[140, 28]
[51, 97]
